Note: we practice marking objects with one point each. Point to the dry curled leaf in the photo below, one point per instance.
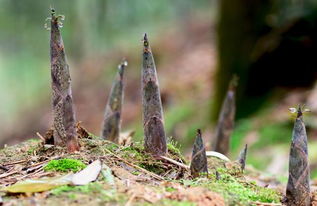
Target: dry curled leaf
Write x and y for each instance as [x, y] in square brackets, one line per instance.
[87, 175]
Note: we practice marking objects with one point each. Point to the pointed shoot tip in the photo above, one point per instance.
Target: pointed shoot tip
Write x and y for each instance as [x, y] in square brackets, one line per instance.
[234, 82]
[122, 65]
[145, 41]
[198, 131]
[52, 11]
[299, 111]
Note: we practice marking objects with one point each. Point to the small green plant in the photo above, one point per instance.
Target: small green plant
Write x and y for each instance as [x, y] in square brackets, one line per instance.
[112, 147]
[173, 147]
[31, 150]
[170, 189]
[65, 165]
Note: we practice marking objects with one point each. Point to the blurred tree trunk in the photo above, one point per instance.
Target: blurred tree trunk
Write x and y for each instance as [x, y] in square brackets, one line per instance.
[241, 23]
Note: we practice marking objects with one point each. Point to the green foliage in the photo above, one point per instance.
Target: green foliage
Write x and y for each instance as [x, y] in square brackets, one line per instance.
[143, 159]
[32, 145]
[243, 192]
[112, 147]
[173, 147]
[135, 152]
[170, 189]
[65, 165]
[31, 150]
[237, 190]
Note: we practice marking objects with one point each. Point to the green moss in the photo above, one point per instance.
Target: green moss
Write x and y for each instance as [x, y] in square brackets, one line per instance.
[32, 149]
[95, 189]
[93, 136]
[170, 189]
[174, 150]
[173, 147]
[153, 167]
[141, 158]
[112, 147]
[92, 187]
[19, 151]
[236, 190]
[135, 152]
[65, 165]
[63, 189]
[233, 187]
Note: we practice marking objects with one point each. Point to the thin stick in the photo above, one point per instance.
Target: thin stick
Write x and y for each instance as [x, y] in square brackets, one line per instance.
[137, 167]
[175, 162]
[31, 174]
[8, 174]
[40, 136]
[16, 162]
[44, 174]
[39, 163]
[4, 168]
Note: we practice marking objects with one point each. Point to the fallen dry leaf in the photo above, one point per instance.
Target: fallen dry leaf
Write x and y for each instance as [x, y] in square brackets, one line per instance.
[87, 175]
[39, 185]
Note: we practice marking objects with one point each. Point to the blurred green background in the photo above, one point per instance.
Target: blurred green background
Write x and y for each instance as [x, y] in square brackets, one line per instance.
[198, 45]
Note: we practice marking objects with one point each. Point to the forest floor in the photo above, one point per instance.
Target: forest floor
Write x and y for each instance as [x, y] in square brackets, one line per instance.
[136, 178]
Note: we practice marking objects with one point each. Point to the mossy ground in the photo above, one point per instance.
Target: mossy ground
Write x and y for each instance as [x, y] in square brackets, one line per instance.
[227, 187]
[64, 165]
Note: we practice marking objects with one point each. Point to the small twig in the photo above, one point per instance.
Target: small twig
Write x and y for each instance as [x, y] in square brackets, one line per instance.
[31, 174]
[40, 136]
[32, 169]
[8, 174]
[37, 164]
[44, 174]
[16, 162]
[175, 162]
[137, 167]
[4, 168]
